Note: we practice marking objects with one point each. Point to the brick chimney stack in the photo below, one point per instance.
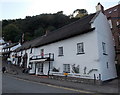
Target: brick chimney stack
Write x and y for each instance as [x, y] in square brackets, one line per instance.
[99, 7]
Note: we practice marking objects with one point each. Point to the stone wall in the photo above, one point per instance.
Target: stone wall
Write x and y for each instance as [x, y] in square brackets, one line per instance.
[76, 80]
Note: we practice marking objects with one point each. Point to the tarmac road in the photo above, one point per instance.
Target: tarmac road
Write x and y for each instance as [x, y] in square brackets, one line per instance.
[15, 85]
[0, 75]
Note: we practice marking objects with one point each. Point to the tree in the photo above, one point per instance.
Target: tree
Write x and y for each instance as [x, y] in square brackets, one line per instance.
[39, 32]
[51, 28]
[34, 26]
[11, 32]
[79, 13]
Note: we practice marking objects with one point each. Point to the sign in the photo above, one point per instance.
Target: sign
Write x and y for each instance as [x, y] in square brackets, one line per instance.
[65, 74]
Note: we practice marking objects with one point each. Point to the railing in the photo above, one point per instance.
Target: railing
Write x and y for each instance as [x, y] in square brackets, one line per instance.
[48, 57]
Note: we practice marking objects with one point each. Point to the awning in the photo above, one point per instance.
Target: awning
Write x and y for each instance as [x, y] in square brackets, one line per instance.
[39, 60]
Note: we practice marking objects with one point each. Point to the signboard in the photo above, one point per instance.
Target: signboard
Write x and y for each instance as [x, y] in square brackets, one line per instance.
[65, 74]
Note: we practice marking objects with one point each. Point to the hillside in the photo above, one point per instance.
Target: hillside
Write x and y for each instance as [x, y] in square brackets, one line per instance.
[33, 26]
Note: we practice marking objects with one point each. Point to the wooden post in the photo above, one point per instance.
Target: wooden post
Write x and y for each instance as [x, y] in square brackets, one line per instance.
[49, 64]
[94, 79]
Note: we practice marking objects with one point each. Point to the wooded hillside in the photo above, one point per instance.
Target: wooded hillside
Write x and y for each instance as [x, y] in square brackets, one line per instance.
[33, 26]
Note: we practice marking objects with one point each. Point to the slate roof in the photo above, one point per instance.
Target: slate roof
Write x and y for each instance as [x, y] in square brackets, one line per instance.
[78, 27]
[29, 44]
[11, 45]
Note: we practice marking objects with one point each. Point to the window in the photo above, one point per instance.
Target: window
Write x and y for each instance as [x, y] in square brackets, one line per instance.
[60, 51]
[80, 48]
[66, 68]
[110, 12]
[110, 23]
[107, 65]
[42, 52]
[115, 9]
[104, 48]
[117, 23]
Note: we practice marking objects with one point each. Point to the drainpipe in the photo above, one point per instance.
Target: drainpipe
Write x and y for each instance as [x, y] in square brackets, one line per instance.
[35, 67]
[49, 64]
[94, 79]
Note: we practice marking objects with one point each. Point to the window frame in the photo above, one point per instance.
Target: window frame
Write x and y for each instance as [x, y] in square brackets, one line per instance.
[110, 23]
[107, 65]
[104, 48]
[79, 45]
[60, 51]
[66, 68]
[110, 12]
[42, 53]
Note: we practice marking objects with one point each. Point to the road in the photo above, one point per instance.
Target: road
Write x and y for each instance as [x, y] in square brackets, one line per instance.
[15, 85]
[0, 75]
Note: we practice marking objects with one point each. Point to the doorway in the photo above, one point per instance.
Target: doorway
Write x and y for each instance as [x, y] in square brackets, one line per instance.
[40, 68]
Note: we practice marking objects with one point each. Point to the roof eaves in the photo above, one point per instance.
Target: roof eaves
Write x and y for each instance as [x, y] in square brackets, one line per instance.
[89, 30]
[92, 20]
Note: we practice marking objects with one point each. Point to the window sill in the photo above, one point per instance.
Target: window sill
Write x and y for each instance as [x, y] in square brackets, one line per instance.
[80, 53]
[60, 55]
[105, 54]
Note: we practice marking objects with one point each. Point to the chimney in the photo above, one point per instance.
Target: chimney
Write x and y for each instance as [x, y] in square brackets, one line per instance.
[47, 32]
[99, 7]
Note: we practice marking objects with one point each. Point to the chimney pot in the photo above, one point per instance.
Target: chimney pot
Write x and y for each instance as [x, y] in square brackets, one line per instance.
[99, 7]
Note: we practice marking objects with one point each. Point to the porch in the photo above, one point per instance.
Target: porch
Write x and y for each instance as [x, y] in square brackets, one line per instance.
[41, 64]
[44, 57]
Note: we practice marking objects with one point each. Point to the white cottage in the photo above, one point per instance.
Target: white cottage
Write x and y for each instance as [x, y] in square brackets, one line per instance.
[9, 48]
[83, 49]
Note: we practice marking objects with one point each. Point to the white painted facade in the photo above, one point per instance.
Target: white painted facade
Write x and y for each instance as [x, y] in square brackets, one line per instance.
[92, 64]
[92, 59]
[104, 34]
[1, 45]
[12, 54]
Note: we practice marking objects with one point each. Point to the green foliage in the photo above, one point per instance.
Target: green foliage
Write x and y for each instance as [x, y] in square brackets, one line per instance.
[79, 13]
[51, 28]
[75, 69]
[11, 32]
[92, 70]
[39, 32]
[34, 26]
[55, 70]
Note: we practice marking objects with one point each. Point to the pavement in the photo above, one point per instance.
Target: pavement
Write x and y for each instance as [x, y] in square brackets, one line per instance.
[107, 87]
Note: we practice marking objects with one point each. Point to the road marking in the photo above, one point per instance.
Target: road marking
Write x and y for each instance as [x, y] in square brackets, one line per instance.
[54, 86]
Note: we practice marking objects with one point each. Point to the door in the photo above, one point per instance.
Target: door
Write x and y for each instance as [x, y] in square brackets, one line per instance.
[40, 69]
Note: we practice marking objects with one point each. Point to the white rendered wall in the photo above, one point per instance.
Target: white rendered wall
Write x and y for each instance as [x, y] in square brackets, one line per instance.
[89, 59]
[93, 57]
[104, 34]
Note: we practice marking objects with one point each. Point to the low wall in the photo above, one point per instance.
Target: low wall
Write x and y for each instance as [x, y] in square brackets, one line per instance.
[77, 80]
